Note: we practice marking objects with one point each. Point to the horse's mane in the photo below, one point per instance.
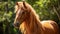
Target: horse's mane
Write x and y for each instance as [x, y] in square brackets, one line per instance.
[28, 21]
[33, 26]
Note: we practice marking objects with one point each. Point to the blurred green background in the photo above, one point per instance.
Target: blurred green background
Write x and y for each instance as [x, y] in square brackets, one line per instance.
[46, 9]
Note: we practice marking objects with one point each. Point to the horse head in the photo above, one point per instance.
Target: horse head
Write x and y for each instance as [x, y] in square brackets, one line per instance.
[21, 13]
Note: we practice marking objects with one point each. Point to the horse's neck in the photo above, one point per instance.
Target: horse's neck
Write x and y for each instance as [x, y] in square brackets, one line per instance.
[33, 27]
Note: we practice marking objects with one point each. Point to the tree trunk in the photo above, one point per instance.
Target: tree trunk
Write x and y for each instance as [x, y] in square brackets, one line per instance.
[1, 28]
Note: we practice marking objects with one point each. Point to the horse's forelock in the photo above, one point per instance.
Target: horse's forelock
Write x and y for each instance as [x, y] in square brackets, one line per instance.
[18, 6]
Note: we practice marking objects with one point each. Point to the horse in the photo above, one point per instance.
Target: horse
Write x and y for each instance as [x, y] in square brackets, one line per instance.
[27, 20]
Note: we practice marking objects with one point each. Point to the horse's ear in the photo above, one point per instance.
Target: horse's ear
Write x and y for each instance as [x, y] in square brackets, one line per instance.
[24, 4]
[16, 3]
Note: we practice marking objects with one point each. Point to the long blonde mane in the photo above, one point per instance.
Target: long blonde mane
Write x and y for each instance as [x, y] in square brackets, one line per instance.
[32, 24]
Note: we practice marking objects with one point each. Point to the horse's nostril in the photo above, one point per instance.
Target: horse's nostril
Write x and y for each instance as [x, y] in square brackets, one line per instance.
[17, 23]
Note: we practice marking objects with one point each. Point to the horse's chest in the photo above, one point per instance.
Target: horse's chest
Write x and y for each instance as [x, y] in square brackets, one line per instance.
[22, 28]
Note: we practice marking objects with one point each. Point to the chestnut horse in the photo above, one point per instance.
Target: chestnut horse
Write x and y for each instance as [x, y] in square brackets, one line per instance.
[28, 21]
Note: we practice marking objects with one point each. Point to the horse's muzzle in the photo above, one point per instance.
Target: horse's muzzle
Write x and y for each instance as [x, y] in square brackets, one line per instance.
[16, 24]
